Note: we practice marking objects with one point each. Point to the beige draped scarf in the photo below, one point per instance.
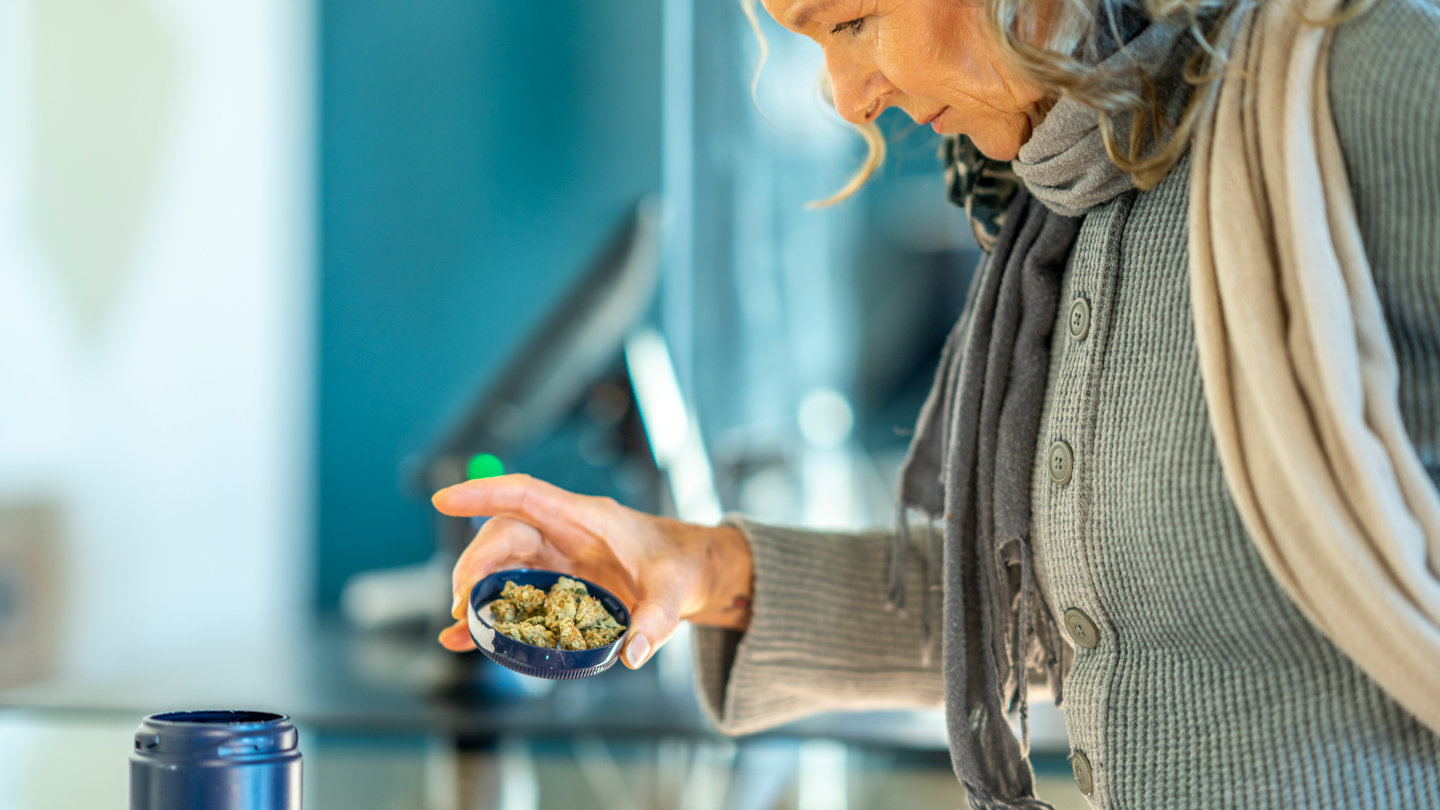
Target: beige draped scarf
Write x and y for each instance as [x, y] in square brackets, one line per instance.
[1299, 375]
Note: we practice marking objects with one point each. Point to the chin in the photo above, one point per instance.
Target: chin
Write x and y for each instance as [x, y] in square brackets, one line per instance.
[1000, 145]
[1002, 142]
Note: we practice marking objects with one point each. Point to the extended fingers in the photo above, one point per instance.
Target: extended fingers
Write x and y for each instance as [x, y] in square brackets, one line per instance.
[517, 495]
[559, 514]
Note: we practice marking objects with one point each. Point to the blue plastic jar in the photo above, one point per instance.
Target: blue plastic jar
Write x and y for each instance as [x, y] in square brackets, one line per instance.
[215, 760]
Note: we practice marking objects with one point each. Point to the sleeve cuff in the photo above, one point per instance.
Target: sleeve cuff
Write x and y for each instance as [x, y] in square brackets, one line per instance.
[820, 637]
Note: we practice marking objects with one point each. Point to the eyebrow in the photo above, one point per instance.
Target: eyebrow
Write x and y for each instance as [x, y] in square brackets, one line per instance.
[802, 19]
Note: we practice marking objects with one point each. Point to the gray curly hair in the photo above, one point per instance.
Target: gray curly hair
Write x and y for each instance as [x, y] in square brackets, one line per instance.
[1065, 59]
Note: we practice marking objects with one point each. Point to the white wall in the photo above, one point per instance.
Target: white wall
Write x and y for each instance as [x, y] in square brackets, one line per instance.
[155, 315]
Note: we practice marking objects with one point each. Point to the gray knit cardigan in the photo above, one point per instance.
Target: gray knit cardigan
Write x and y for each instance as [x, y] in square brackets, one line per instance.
[1207, 688]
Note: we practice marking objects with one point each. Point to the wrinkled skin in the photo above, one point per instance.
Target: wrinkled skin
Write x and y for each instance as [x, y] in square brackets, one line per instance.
[663, 570]
[934, 59]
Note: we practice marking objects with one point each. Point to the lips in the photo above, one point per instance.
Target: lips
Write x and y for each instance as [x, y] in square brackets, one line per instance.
[933, 118]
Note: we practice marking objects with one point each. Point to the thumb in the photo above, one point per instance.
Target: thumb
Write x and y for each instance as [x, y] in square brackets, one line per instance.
[651, 625]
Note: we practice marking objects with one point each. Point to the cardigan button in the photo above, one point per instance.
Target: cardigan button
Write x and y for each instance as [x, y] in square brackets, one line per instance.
[1061, 462]
[1081, 630]
[1079, 319]
[1081, 766]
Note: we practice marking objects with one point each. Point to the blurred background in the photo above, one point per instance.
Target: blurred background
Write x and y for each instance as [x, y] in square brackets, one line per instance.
[272, 272]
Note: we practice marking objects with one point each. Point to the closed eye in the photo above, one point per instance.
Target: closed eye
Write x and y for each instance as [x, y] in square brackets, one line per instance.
[852, 26]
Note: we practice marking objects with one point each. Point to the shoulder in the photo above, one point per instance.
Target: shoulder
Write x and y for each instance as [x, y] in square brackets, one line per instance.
[1385, 72]
[1385, 97]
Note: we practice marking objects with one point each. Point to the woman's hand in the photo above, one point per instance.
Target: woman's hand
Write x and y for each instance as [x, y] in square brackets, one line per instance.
[662, 569]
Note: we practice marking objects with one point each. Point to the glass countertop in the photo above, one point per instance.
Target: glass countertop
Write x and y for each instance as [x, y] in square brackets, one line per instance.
[392, 722]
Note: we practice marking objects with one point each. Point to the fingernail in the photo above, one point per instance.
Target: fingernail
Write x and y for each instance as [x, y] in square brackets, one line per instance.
[455, 606]
[637, 649]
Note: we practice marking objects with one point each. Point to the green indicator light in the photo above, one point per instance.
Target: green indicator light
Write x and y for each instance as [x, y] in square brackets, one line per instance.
[484, 465]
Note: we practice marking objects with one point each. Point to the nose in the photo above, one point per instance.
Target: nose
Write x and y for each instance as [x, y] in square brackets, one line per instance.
[860, 91]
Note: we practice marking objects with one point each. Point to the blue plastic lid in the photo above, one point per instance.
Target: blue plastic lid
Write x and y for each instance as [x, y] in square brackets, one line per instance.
[541, 662]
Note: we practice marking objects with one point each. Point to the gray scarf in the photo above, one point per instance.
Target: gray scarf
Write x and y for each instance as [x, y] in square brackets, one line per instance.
[1064, 164]
[969, 464]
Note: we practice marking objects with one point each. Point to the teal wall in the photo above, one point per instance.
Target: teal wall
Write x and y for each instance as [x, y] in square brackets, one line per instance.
[473, 155]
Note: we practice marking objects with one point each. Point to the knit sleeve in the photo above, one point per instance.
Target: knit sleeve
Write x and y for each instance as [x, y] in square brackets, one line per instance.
[1385, 93]
[820, 636]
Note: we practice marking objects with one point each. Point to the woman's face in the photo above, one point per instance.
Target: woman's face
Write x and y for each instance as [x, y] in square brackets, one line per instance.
[931, 58]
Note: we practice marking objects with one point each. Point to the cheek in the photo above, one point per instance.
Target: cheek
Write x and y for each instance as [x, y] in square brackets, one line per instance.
[938, 53]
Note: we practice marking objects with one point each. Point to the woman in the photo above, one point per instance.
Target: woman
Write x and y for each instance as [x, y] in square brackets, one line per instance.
[1126, 498]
